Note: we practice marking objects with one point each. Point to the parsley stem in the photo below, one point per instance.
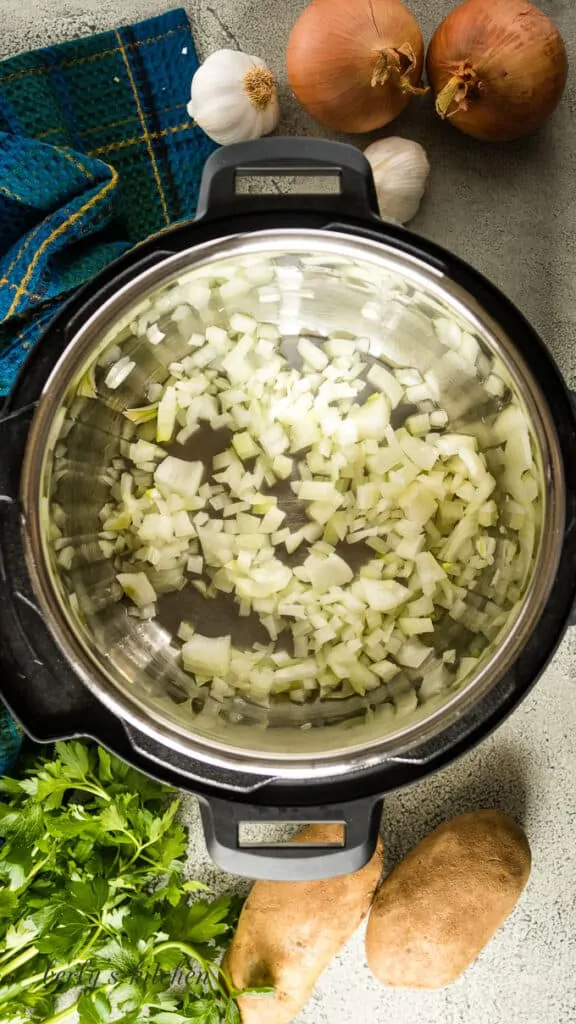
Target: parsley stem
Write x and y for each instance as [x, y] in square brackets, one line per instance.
[18, 961]
[95, 936]
[16, 949]
[62, 1014]
[188, 951]
[31, 875]
[9, 992]
[140, 848]
[96, 791]
[212, 971]
[91, 780]
[125, 832]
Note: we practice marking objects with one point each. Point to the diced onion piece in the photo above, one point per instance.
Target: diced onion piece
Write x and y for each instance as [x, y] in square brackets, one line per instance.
[448, 332]
[469, 347]
[166, 416]
[204, 655]
[438, 418]
[156, 528]
[409, 547]
[180, 476]
[182, 525]
[304, 432]
[234, 288]
[385, 669]
[419, 424]
[144, 451]
[418, 504]
[423, 454]
[272, 520]
[293, 542]
[154, 334]
[322, 511]
[186, 631]
[282, 466]
[245, 446]
[382, 595]
[312, 355]
[430, 572]
[137, 587]
[306, 669]
[413, 653]
[414, 627]
[367, 496]
[118, 373]
[495, 385]
[243, 324]
[372, 418]
[144, 414]
[319, 491]
[384, 381]
[362, 678]
[328, 572]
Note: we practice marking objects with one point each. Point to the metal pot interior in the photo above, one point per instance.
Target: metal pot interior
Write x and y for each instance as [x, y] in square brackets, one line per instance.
[311, 284]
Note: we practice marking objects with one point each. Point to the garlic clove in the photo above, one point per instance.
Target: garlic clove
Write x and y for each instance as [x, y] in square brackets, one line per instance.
[233, 97]
[401, 169]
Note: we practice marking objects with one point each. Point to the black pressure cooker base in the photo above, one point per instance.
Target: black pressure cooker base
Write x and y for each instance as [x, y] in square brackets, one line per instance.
[40, 686]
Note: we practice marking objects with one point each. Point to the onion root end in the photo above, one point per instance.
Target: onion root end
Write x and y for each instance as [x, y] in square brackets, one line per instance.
[399, 62]
[457, 91]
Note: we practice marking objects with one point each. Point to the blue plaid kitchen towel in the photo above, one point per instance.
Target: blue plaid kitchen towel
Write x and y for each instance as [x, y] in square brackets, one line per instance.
[96, 153]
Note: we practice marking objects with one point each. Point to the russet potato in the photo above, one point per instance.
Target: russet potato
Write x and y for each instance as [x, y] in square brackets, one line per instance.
[439, 907]
[289, 931]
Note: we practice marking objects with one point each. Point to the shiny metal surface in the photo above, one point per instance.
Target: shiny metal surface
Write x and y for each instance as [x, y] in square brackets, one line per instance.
[322, 282]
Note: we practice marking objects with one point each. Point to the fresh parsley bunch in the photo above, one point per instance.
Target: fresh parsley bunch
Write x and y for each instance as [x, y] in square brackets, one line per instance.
[93, 898]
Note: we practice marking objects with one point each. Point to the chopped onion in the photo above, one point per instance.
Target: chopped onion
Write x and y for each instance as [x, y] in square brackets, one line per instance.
[444, 523]
[381, 595]
[177, 475]
[166, 415]
[205, 655]
[118, 373]
[382, 379]
[138, 588]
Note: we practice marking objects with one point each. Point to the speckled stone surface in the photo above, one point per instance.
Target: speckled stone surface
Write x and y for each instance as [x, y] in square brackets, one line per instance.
[511, 211]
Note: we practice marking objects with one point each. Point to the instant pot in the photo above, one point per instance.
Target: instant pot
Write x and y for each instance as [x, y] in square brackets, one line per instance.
[118, 679]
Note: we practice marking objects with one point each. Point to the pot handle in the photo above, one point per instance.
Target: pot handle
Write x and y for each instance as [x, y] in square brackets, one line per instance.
[287, 157]
[290, 862]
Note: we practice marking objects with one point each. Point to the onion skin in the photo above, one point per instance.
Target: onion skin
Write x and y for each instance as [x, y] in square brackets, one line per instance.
[498, 68]
[355, 64]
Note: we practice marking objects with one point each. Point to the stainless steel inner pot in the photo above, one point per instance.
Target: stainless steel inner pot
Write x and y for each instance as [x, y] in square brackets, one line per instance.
[313, 283]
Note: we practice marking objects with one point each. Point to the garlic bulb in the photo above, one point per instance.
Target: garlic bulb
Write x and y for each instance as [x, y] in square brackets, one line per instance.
[400, 168]
[234, 98]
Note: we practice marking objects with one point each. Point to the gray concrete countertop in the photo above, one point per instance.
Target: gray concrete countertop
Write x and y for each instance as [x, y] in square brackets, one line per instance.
[511, 211]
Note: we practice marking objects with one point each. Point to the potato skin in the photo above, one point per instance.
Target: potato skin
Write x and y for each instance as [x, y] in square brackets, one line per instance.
[440, 906]
[289, 931]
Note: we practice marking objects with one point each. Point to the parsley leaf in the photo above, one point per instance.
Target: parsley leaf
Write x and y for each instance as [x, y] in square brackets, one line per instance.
[93, 899]
[232, 1015]
[105, 765]
[75, 757]
[93, 1008]
[8, 903]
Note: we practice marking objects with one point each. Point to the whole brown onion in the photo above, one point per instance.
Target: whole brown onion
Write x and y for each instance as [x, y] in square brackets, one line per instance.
[354, 64]
[498, 68]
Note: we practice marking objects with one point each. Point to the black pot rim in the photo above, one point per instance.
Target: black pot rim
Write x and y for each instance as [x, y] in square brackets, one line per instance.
[506, 694]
